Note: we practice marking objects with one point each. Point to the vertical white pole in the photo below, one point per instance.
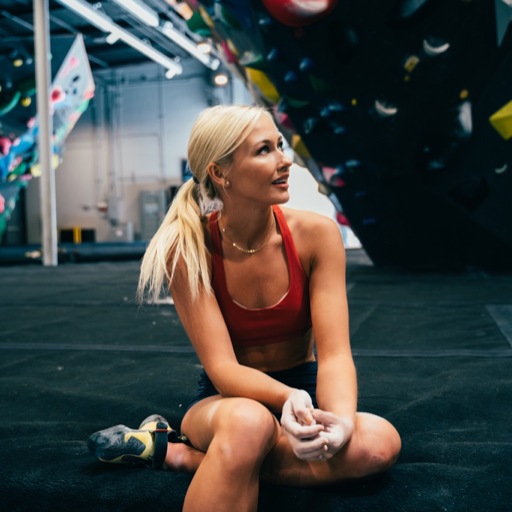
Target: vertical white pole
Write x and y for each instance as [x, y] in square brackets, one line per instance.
[43, 82]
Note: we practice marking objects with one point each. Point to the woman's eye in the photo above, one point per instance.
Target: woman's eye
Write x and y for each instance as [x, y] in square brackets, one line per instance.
[280, 146]
[263, 149]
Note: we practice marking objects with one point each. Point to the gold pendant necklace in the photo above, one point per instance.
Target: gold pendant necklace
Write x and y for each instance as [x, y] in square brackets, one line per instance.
[249, 251]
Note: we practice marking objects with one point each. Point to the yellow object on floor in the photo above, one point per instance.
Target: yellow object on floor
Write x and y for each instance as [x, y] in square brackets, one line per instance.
[502, 121]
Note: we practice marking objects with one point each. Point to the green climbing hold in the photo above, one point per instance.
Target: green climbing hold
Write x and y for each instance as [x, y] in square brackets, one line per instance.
[197, 25]
[253, 61]
[319, 86]
[226, 18]
[20, 169]
[7, 106]
[295, 103]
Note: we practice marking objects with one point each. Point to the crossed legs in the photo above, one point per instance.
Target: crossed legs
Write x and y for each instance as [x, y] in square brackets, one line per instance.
[244, 443]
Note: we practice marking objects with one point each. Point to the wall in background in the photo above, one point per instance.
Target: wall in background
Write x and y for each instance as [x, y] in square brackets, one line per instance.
[133, 137]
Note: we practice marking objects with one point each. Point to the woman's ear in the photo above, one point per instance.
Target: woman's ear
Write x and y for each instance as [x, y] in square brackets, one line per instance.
[217, 174]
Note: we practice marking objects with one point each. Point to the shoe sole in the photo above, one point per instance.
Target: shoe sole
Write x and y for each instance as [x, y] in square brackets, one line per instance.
[109, 445]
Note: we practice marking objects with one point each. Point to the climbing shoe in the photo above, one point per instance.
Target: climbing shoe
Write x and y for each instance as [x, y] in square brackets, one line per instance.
[146, 446]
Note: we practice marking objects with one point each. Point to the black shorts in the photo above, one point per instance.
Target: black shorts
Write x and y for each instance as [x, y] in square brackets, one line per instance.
[300, 377]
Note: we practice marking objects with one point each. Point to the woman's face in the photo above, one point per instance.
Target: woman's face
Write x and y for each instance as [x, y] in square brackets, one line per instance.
[260, 168]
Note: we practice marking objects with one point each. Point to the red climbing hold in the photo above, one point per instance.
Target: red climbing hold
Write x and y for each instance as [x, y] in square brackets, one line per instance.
[297, 13]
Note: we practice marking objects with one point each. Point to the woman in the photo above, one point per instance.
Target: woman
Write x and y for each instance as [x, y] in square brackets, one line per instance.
[255, 286]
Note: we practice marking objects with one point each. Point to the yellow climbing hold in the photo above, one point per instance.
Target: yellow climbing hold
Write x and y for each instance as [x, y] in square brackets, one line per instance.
[232, 47]
[206, 17]
[464, 94]
[17, 63]
[35, 170]
[266, 87]
[26, 102]
[354, 102]
[411, 63]
[502, 121]
[299, 147]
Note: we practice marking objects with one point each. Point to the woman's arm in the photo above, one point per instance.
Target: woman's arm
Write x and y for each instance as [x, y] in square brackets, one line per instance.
[206, 328]
[337, 384]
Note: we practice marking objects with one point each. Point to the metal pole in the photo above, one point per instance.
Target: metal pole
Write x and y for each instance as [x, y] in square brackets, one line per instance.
[47, 180]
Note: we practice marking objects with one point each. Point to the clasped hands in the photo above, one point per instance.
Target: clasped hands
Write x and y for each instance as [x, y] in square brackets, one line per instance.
[313, 434]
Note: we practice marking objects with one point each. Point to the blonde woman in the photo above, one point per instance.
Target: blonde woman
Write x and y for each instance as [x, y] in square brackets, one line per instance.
[256, 286]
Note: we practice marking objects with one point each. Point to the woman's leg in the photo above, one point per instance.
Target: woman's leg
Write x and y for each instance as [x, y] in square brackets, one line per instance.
[236, 434]
[373, 448]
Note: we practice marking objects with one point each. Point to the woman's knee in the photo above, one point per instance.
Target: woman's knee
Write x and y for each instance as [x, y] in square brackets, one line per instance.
[245, 430]
[378, 445]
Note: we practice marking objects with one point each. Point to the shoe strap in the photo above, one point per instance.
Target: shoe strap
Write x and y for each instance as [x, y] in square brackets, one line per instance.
[160, 432]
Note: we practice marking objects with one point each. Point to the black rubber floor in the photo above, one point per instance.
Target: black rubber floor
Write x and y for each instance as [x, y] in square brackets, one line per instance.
[433, 355]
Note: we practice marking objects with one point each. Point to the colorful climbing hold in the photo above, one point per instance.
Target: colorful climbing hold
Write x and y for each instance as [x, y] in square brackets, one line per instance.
[291, 76]
[297, 13]
[273, 55]
[296, 103]
[299, 147]
[260, 79]
[502, 121]
[306, 64]
[320, 86]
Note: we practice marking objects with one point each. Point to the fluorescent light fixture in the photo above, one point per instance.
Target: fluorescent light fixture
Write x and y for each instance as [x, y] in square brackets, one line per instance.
[141, 11]
[112, 38]
[204, 47]
[187, 44]
[103, 22]
[221, 79]
[170, 73]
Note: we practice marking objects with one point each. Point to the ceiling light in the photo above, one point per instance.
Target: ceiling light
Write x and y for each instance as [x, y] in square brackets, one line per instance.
[170, 73]
[187, 44]
[103, 22]
[204, 48]
[141, 11]
[221, 79]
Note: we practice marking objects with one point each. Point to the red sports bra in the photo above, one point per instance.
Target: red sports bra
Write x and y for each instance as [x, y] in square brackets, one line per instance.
[289, 318]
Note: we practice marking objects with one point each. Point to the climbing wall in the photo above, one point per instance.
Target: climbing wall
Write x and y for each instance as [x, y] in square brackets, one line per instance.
[72, 89]
[401, 109]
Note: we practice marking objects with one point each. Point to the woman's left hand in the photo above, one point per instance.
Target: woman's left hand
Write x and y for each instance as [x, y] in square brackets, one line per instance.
[337, 431]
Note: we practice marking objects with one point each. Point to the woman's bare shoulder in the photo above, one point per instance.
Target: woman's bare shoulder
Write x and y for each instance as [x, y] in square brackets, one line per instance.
[303, 222]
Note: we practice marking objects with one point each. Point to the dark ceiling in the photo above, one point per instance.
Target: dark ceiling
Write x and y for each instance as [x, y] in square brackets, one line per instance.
[16, 26]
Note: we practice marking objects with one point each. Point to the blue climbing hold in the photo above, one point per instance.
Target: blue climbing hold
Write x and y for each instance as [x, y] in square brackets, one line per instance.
[291, 76]
[265, 21]
[338, 130]
[340, 170]
[336, 107]
[367, 222]
[273, 55]
[325, 112]
[310, 125]
[361, 193]
[306, 64]
[352, 163]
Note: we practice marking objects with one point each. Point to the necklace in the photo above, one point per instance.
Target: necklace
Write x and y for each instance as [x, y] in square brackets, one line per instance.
[249, 251]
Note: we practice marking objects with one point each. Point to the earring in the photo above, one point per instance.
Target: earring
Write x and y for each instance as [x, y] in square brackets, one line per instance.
[228, 184]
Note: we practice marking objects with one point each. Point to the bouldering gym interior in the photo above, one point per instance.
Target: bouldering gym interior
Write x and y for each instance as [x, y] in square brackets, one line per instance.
[397, 115]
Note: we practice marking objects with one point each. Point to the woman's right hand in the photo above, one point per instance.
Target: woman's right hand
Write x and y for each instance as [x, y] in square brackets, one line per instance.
[300, 428]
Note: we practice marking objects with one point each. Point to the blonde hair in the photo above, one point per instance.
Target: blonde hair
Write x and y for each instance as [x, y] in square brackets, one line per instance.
[215, 136]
